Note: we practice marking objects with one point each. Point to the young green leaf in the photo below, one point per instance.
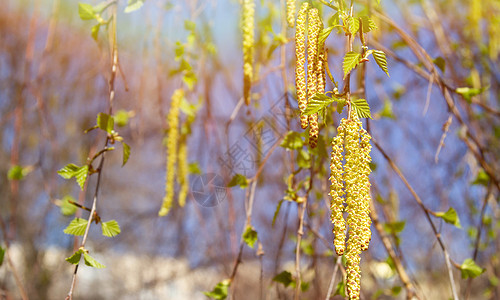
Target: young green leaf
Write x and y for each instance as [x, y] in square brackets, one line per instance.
[340, 289]
[276, 212]
[133, 5]
[67, 209]
[362, 108]
[250, 236]
[110, 228]
[352, 25]
[68, 171]
[394, 227]
[468, 93]
[220, 290]
[76, 227]
[450, 216]
[81, 175]
[381, 60]
[18, 172]
[303, 159]
[105, 122]
[194, 168]
[368, 24]
[240, 180]
[284, 277]
[323, 35]
[482, 178]
[292, 140]
[2, 254]
[86, 11]
[440, 63]
[317, 103]
[469, 268]
[91, 262]
[75, 258]
[95, 31]
[351, 61]
[126, 153]
[121, 118]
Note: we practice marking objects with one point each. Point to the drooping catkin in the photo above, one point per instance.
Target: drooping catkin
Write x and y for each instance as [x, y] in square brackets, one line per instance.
[300, 55]
[248, 15]
[314, 26]
[183, 172]
[172, 141]
[353, 178]
[290, 12]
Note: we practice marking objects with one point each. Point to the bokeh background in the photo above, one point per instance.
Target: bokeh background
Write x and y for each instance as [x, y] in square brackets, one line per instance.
[54, 80]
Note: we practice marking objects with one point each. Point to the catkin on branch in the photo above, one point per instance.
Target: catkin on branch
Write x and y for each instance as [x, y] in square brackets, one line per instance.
[183, 172]
[290, 12]
[337, 191]
[312, 71]
[248, 47]
[300, 55]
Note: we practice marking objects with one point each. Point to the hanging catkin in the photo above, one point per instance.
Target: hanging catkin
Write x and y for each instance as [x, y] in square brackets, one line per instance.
[313, 66]
[300, 55]
[248, 47]
[172, 141]
[183, 172]
[290, 12]
[351, 181]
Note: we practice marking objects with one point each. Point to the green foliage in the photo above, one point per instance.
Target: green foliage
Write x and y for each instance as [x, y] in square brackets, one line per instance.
[86, 11]
[71, 170]
[276, 212]
[303, 159]
[76, 227]
[105, 122]
[250, 236]
[121, 118]
[386, 111]
[361, 107]
[194, 168]
[351, 60]
[18, 172]
[482, 178]
[368, 24]
[394, 227]
[318, 103]
[468, 93]
[284, 277]
[469, 268]
[450, 216]
[91, 262]
[220, 290]
[381, 60]
[67, 209]
[133, 5]
[110, 228]
[126, 153]
[440, 63]
[340, 289]
[240, 180]
[324, 33]
[2, 254]
[292, 140]
[75, 258]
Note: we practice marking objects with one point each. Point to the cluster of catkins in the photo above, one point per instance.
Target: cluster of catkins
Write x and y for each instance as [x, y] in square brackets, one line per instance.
[247, 27]
[350, 184]
[176, 154]
[316, 60]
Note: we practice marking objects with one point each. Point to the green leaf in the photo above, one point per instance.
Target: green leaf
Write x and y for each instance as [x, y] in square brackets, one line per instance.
[340, 106]
[91, 262]
[2, 254]
[86, 11]
[68, 209]
[250, 236]
[126, 153]
[317, 103]
[351, 61]
[121, 118]
[395, 290]
[189, 25]
[18, 172]
[240, 180]
[368, 24]
[292, 140]
[352, 25]
[394, 227]
[81, 175]
[323, 35]
[194, 168]
[482, 178]
[386, 111]
[468, 93]
[362, 108]
[75, 258]
[470, 269]
[303, 159]
[450, 216]
[284, 277]
[133, 5]
[105, 122]
[68, 171]
[340, 289]
[220, 290]
[440, 63]
[110, 228]
[76, 227]
[189, 79]
[276, 212]
[95, 31]
[381, 60]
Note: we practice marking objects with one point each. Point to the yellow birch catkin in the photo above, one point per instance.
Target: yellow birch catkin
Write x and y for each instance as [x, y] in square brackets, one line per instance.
[248, 47]
[337, 190]
[300, 55]
[290, 12]
[314, 26]
[172, 141]
[183, 172]
[353, 178]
